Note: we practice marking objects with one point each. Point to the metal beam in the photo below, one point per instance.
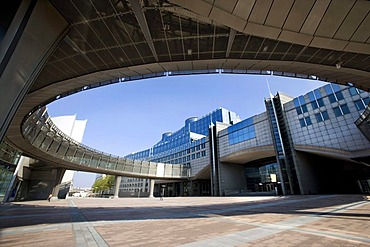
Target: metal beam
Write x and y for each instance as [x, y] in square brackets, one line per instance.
[230, 42]
[78, 50]
[139, 14]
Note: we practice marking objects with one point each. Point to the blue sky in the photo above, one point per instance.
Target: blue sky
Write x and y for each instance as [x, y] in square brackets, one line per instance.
[129, 117]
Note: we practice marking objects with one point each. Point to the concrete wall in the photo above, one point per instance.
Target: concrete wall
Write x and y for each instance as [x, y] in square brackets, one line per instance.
[40, 183]
[233, 180]
[322, 175]
[263, 137]
[336, 132]
[306, 173]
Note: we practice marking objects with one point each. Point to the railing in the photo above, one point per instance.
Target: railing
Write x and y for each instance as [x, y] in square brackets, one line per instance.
[39, 130]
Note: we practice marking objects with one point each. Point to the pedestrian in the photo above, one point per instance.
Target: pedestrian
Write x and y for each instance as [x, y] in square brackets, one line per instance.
[161, 196]
[49, 197]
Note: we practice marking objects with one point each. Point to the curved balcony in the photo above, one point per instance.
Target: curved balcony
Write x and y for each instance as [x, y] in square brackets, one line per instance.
[39, 130]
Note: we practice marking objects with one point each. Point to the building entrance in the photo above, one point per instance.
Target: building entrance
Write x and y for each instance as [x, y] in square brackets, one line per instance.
[262, 176]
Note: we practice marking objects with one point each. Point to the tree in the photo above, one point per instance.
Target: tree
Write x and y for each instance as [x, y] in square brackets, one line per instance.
[104, 183]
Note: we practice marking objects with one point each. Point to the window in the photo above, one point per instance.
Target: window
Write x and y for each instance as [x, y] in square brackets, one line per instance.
[302, 122]
[328, 89]
[341, 110]
[319, 117]
[325, 115]
[335, 87]
[337, 111]
[339, 95]
[304, 108]
[316, 99]
[298, 109]
[353, 91]
[198, 155]
[193, 156]
[314, 105]
[296, 102]
[321, 102]
[366, 101]
[317, 93]
[308, 120]
[204, 153]
[332, 98]
[345, 109]
[299, 103]
[359, 105]
[241, 131]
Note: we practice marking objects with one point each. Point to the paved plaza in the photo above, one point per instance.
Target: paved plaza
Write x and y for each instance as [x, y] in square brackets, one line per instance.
[322, 220]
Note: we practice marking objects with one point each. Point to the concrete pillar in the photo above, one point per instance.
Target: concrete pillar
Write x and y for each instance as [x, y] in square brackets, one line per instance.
[116, 189]
[182, 189]
[151, 188]
[28, 43]
[58, 179]
[191, 189]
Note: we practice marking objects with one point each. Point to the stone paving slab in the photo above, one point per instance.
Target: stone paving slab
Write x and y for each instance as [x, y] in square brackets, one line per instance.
[323, 220]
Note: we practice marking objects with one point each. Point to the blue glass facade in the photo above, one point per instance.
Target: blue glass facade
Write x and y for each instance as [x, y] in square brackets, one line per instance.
[241, 131]
[187, 143]
[333, 93]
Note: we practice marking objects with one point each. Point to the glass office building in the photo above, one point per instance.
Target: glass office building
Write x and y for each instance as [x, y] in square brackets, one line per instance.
[187, 143]
[288, 149]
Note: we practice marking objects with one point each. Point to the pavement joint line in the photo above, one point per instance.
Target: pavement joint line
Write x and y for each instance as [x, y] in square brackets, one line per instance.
[84, 232]
[82, 224]
[265, 230]
[33, 229]
[343, 236]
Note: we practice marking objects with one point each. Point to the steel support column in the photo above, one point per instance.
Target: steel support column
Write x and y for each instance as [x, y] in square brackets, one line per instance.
[32, 36]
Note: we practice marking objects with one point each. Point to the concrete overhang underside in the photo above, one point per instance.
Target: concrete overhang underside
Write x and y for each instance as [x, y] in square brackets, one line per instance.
[132, 37]
[362, 156]
[248, 155]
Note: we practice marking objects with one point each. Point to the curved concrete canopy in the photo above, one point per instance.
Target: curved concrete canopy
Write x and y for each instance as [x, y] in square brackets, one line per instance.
[126, 38]
[108, 40]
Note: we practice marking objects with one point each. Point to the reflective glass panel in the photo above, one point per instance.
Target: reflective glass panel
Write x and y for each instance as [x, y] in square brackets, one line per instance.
[320, 102]
[325, 115]
[318, 117]
[359, 105]
[353, 91]
[345, 109]
[337, 111]
[304, 108]
[332, 98]
[314, 105]
[308, 120]
[339, 95]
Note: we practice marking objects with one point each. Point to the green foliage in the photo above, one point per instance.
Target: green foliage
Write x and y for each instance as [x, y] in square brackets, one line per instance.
[104, 183]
